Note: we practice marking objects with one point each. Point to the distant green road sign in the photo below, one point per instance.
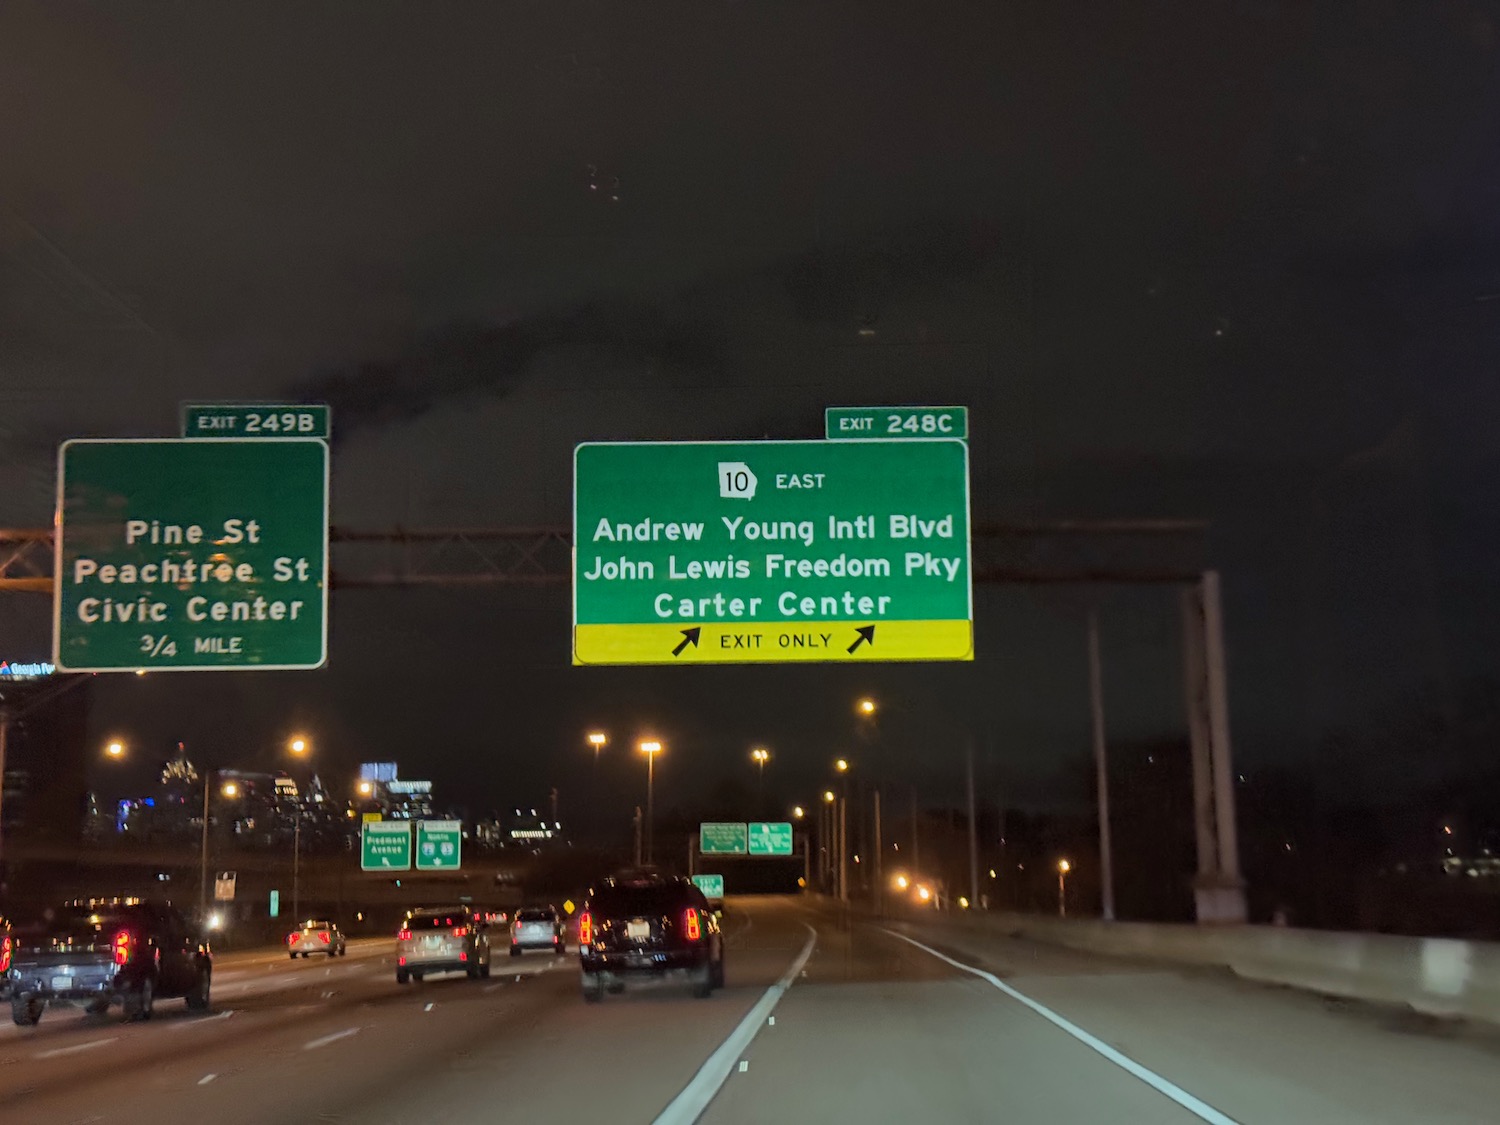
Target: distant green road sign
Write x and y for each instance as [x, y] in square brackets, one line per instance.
[712, 886]
[771, 552]
[191, 555]
[887, 422]
[254, 420]
[439, 845]
[721, 839]
[771, 839]
[385, 845]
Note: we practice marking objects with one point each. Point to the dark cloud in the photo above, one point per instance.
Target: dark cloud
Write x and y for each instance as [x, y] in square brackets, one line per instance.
[462, 360]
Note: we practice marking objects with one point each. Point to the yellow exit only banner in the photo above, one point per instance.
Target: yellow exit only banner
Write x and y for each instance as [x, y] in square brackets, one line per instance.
[772, 643]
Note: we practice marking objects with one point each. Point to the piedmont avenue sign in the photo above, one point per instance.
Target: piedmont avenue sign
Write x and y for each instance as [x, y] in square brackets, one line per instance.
[771, 552]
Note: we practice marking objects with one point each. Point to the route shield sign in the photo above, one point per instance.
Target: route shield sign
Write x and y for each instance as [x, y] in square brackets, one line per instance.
[771, 839]
[439, 844]
[888, 422]
[721, 839]
[254, 420]
[712, 886]
[385, 845]
[771, 552]
[191, 555]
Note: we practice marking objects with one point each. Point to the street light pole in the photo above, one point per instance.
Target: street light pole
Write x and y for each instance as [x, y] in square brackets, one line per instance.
[651, 749]
[973, 826]
[297, 865]
[208, 782]
[1101, 768]
[1063, 867]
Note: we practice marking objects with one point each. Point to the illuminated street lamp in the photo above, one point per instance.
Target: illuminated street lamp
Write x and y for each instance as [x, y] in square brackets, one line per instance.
[297, 745]
[230, 791]
[365, 788]
[115, 748]
[760, 756]
[598, 740]
[865, 706]
[1063, 867]
[651, 748]
[841, 764]
[798, 812]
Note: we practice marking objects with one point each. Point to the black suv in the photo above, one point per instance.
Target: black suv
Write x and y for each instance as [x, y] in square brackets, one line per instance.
[101, 952]
[645, 926]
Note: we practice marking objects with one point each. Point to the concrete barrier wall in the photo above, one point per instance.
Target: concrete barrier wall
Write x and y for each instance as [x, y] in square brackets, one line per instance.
[1437, 976]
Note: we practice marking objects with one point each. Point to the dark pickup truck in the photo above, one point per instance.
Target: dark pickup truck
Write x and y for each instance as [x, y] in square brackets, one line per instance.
[98, 953]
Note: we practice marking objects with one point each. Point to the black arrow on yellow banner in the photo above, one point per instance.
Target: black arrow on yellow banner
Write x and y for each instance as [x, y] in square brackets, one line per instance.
[689, 637]
[866, 636]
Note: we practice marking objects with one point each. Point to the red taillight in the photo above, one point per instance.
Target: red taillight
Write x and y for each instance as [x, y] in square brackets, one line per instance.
[460, 931]
[124, 945]
[463, 956]
[585, 929]
[404, 935]
[694, 928]
[5, 954]
[291, 939]
[323, 936]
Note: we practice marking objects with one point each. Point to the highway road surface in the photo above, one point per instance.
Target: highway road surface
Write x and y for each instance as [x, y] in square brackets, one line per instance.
[823, 1019]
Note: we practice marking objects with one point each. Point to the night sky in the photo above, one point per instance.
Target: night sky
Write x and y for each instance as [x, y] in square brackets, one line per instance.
[1235, 261]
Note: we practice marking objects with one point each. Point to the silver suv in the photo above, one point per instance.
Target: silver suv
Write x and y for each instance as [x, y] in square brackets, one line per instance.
[442, 940]
[537, 928]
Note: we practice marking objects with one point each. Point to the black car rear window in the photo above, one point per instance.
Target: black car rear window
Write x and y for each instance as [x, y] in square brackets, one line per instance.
[619, 901]
[82, 920]
[533, 916]
[436, 921]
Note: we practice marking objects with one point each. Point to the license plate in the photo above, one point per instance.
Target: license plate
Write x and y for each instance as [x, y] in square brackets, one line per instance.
[62, 984]
[431, 942]
[638, 931]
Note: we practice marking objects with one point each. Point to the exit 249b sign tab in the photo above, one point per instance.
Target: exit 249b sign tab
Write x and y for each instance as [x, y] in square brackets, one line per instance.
[770, 552]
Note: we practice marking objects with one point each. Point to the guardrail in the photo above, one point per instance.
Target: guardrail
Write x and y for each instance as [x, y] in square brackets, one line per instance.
[1436, 976]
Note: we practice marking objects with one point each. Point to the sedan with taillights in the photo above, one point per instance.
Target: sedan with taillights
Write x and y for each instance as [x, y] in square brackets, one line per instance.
[442, 940]
[316, 937]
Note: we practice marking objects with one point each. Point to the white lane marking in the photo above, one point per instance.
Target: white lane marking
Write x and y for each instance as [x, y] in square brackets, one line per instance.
[199, 1022]
[1197, 1108]
[491, 987]
[327, 1039]
[428, 1008]
[56, 1051]
[689, 1105]
[206, 1079]
[744, 1065]
[772, 1021]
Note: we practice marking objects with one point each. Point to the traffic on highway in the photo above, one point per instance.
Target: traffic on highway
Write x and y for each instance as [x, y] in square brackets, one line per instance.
[806, 1010]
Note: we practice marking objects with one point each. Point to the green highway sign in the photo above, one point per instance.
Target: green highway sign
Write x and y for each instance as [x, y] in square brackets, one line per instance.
[771, 839]
[273, 907]
[254, 420]
[887, 422]
[771, 552]
[712, 886]
[385, 845]
[439, 845]
[721, 839]
[191, 555]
